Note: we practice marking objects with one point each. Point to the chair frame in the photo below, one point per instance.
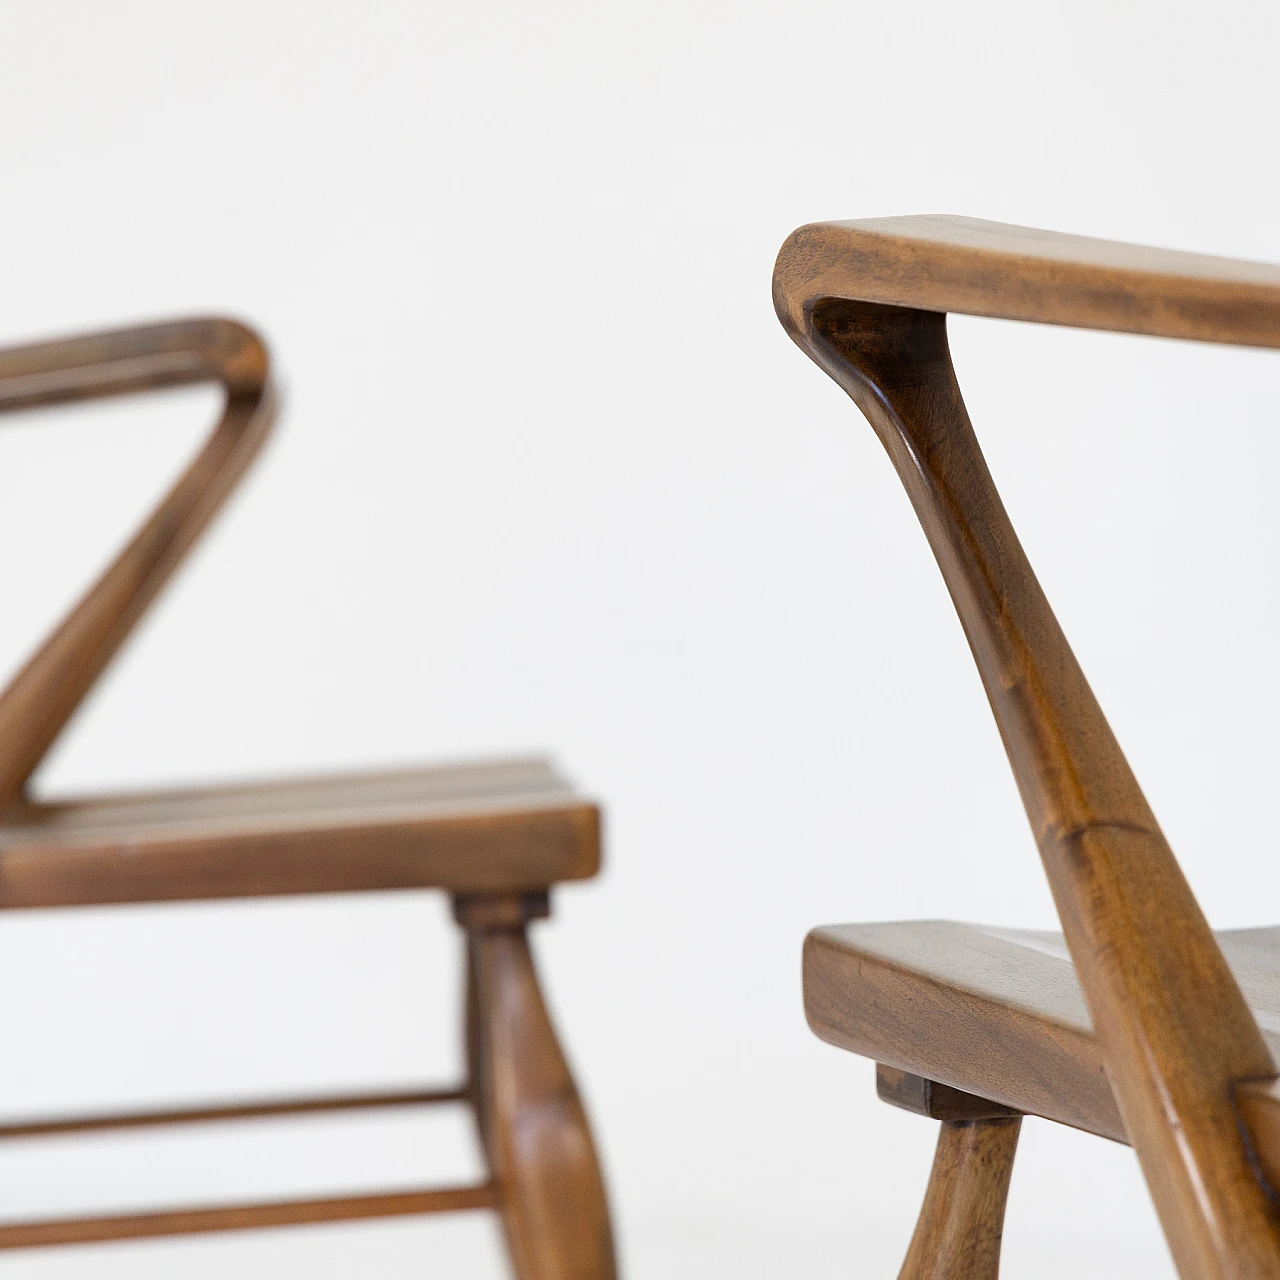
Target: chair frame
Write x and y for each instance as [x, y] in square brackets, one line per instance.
[544, 1177]
[1191, 1075]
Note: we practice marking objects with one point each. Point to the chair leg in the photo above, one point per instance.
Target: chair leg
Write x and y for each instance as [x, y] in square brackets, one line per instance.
[477, 1083]
[962, 1220]
[532, 1123]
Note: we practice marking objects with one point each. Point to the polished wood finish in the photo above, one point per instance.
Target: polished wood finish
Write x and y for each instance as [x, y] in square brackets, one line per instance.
[235, 1111]
[476, 828]
[866, 302]
[999, 1013]
[530, 1118]
[247, 1217]
[924, 1097]
[961, 1223]
[940, 263]
[1258, 1102]
[497, 835]
[996, 1014]
[41, 698]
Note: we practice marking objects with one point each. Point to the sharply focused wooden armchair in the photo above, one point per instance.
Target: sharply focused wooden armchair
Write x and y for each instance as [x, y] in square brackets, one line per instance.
[495, 837]
[1143, 1025]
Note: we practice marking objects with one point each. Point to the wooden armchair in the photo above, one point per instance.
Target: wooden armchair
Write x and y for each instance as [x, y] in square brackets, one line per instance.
[495, 837]
[1143, 1026]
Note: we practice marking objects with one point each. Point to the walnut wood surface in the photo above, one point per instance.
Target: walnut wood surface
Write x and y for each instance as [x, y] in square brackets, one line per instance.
[1174, 1029]
[961, 1223]
[41, 1128]
[43, 695]
[498, 834]
[934, 262]
[1258, 1103]
[925, 1097]
[997, 1013]
[532, 1123]
[545, 1178]
[479, 828]
[246, 1217]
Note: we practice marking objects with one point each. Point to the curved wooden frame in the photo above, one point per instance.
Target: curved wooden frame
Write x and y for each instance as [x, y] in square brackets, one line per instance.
[43, 696]
[961, 1225]
[867, 301]
[544, 1176]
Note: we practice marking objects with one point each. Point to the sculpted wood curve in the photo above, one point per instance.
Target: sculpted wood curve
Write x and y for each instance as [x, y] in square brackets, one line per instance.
[961, 1225]
[495, 833]
[1175, 1031]
[532, 1123]
[44, 694]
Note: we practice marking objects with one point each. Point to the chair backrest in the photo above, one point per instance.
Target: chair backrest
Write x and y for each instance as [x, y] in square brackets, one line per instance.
[46, 691]
[867, 301]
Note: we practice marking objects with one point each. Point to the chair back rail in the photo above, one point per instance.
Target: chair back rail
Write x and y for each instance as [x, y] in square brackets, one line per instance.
[45, 693]
[1174, 1028]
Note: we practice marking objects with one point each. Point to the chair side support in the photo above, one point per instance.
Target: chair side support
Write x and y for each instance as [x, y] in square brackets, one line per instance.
[532, 1125]
[1174, 1028]
[961, 1225]
[45, 693]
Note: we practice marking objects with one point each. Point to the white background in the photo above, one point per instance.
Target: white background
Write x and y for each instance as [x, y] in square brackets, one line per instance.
[550, 475]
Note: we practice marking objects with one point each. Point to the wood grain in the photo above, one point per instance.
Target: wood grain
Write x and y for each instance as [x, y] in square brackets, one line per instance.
[498, 834]
[1175, 1031]
[42, 696]
[983, 1011]
[506, 826]
[261, 1110]
[1258, 1105]
[531, 1120]
[924, 1097]
[936, 262]
[243, 1217]
[999, 1013]
[961, 1223]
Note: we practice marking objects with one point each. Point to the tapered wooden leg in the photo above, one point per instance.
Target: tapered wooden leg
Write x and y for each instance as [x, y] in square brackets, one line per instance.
[531, 1120]
[962, 1221]
[478, 1087]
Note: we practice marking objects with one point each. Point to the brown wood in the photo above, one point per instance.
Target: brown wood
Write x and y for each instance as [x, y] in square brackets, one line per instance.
[497, 834]
[999, 1013]
[476, 911]
[504, 826]
[933, 262]
[1258, 1103]
[232, 1111]
[865, 301]
[990, 1012]
[924, 1097]
[961, 1222]
[531, 1120]
[39, 701]
[244, 1217]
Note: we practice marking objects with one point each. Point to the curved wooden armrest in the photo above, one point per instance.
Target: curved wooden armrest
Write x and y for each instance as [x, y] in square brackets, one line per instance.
[938, 262]
[44, 694]
[866, 301]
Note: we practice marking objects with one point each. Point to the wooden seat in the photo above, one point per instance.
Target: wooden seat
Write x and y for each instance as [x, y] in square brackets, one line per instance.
[1005, 1015]
[1138, 1023]
[495, 836]
[508, 827]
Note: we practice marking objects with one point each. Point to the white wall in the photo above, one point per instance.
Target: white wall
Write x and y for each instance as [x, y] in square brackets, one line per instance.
[550, 475]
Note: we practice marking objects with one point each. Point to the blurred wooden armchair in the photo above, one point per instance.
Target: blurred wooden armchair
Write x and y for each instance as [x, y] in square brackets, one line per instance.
[1138, 1023]
[495, 837]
